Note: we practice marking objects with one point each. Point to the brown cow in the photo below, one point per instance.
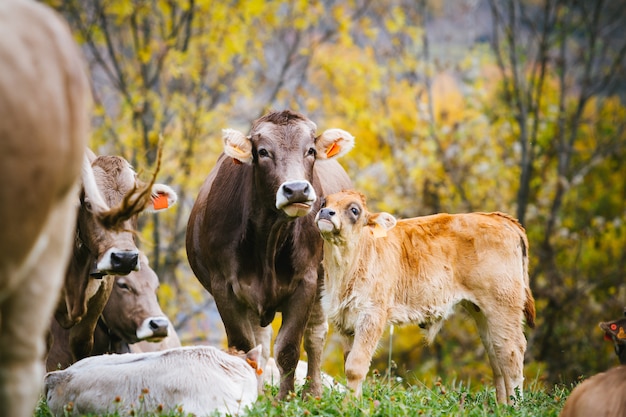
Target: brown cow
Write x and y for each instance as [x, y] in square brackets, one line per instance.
[44, 121]
[132, 314]
[603, 393]
[380, 271]
[252, 242]
[600, 395]
[99, 252]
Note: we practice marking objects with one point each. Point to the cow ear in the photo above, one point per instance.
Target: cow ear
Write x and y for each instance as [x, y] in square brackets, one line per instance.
[333, 143]
[380, 223]
[237, 145]
[253, 357]
[162, 198]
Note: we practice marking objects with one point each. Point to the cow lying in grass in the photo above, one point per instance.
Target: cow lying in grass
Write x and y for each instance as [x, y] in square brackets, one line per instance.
[603, 393]
[197, 379]
[379, 270]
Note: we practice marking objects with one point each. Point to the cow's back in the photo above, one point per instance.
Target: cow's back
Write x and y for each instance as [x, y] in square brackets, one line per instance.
[43, 125]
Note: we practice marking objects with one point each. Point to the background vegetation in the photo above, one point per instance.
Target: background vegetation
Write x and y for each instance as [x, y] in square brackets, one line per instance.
[468, 105]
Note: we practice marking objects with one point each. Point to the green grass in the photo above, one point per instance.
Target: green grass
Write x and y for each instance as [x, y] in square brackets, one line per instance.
[380, 398]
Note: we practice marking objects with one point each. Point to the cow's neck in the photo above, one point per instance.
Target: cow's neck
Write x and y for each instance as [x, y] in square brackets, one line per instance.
[342, 259]
[271, 231]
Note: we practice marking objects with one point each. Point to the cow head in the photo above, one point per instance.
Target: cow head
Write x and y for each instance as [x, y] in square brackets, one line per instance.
[132, 312]
[115, 250]
[615, 331]
[344, 217]
[282, 148]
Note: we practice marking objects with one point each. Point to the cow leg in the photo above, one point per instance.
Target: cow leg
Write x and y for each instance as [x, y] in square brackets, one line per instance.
[505, 344]
[234, 315]
[289, 338]
[25, 315]
[314, 341]
[368, 331]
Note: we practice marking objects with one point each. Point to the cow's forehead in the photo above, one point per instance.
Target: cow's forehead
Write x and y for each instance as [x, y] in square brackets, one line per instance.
[346, 198]
[285, 134]
[114, 176]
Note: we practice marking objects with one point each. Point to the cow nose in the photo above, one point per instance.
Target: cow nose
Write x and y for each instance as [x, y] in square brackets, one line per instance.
[155, 327]
[326, 213]
[124, 261]
[159, 326]
[296, 191]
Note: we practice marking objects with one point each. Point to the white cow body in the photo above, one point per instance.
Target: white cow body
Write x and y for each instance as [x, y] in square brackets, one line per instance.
[197, 379]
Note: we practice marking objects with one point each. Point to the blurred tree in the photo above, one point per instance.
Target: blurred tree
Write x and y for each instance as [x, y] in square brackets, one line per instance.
[532, 124]
[559, 65]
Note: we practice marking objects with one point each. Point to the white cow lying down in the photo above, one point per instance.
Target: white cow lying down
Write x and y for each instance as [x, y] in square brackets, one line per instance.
[199, 379]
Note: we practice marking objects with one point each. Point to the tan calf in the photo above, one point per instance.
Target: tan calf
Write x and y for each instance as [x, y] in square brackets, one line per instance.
[379, 270]
[600, 395]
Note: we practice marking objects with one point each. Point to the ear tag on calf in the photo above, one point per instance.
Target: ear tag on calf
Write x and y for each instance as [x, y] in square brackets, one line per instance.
[254, 366]
[378, 231]
[621, 334]
[160, 202]
[332, 150]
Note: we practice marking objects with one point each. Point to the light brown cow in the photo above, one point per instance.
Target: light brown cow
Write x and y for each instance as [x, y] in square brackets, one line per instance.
[603, 393]
[132, 314]
[600, 395]
[44, 120]
[379, 270]
[99, 252]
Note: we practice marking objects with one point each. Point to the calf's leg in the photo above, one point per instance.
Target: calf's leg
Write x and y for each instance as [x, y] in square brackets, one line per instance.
[505, 344]
[367, 333]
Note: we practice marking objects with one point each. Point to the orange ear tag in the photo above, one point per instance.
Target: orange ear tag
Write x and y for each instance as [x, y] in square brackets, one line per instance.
[160, 202]
[332, 150]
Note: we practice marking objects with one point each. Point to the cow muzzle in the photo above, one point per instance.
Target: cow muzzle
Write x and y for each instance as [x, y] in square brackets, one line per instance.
[295, 198]
[118, 262]
[326, 221]
[153, 329]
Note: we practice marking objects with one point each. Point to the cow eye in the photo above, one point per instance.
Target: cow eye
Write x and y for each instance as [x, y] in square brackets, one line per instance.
[263, 153]
[87, 205]
[311, 152]
[354, 211]
[123, 285]
[323, 203]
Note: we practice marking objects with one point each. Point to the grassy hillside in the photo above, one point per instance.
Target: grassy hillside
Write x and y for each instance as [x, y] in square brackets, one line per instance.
[380, 398]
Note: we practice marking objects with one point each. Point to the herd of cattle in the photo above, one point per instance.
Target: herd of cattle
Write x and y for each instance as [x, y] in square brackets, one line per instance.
[273, 229]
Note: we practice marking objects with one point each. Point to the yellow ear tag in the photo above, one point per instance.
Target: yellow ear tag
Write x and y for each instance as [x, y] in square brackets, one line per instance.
[332, 150]
[621, 334]
[238, 150]
[378, 231]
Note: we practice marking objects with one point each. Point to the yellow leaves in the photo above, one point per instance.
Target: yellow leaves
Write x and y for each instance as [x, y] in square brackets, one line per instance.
[395, 20]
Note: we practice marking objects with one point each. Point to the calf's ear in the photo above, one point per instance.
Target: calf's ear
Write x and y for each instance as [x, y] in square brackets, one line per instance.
[162, 197]
[333, 143]
[380, 223]
[253, 357]
[237, 146]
